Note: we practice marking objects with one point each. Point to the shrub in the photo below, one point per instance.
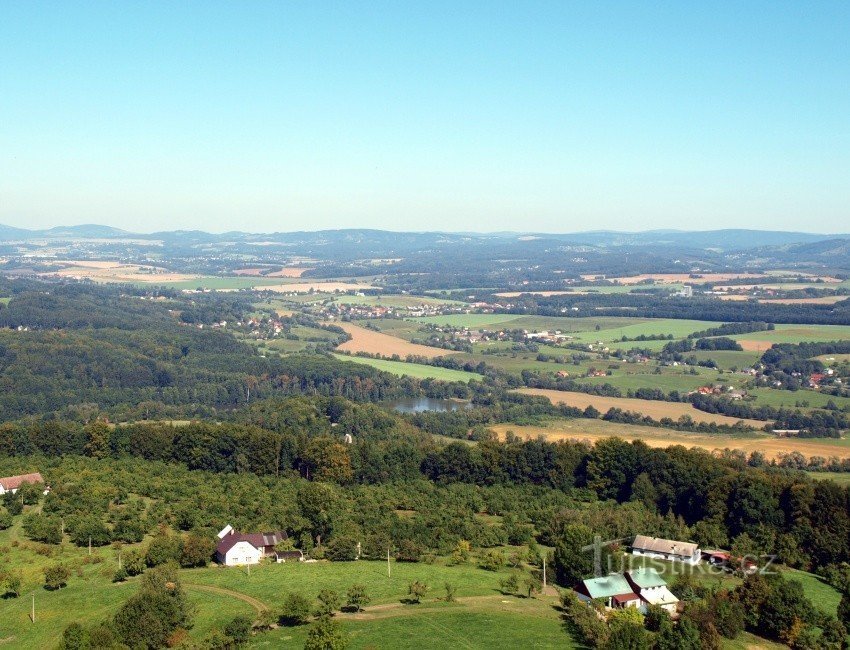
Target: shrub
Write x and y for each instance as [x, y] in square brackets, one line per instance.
[238, 630]
[325, 634]
[342, 549]
[56, 576]
[328, 602]
[450, 592]
[417, 590]
[408, 551]
[492, 560]
[357, 597]
[296, 609]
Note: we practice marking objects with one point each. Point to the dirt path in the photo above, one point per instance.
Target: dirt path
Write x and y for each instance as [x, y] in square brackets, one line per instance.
[258, 605]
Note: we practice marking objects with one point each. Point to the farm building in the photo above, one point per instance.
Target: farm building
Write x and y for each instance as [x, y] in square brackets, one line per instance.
[235, 549]
[12, 483]
[613, 589]
[666, 549]
[652, 588]
[637, 589]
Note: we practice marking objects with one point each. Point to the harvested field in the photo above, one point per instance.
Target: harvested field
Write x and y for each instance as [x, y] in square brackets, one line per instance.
[249, 272]
[90, 263]
[735, 297]
[654, 409]
[593, 430]
[114, 272]
[366, 340]
[306, 287]
[755, 346]
[288, 272]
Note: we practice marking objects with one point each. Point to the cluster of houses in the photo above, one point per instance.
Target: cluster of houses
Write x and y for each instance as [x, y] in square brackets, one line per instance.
[722, 391]
[645, 586]
[11, 484]
[554, 337]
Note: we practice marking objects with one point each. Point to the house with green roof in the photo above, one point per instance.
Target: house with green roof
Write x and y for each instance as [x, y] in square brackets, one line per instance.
[613, 590]
[652, 588]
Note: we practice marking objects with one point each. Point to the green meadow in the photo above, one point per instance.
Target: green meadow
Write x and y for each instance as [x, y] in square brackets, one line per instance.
[418, 370]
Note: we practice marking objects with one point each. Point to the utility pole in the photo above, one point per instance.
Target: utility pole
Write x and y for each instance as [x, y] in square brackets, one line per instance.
[119, 561]
[89, 544]
[544, 572]
[32, 616]
[389, 570]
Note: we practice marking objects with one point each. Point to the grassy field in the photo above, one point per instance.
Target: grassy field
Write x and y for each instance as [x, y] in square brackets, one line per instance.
[788, 398]
[494, 623]
[792, 334]
[842, 478]
[654, 409]
[592, 430]
[667, 382]
[220, 283]
[418, 370]
[391, 300]
[89, 596]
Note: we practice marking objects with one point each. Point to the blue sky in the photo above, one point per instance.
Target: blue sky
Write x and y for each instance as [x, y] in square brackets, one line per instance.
[561, 116]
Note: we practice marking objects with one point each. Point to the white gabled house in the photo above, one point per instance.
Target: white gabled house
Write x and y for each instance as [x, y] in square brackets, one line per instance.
[666, 549]
[237, 549]
[652, 588]
[12, 483]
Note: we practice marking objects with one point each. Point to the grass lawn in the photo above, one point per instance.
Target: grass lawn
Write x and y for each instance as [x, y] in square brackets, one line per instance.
[503, 623]
[842, 478]
[283, 346]
[788, 398]
[473, 321]
[418, 370]
[391, 300]
[269, 582]
[797, 334]
[222, 283]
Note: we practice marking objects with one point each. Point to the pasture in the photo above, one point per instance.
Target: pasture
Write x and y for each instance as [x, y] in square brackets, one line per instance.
[654, 409]
[417, 370]
[396, 300]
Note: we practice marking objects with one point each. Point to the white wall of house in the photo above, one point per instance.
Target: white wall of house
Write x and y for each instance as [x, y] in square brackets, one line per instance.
[695, 559]
[242, 553]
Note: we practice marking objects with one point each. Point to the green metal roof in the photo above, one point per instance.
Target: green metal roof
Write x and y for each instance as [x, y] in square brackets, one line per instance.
[647, 577]
[607, 586]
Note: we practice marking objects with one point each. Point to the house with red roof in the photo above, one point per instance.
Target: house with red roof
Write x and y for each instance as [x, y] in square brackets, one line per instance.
[12, 483]
[236, 549]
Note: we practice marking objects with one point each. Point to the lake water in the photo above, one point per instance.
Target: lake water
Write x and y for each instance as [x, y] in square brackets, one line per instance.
[419, 404]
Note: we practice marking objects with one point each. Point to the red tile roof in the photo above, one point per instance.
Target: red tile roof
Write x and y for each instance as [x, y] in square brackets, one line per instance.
[14, 482]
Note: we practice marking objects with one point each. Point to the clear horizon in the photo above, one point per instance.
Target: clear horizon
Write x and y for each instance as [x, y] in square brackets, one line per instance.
[551, 117]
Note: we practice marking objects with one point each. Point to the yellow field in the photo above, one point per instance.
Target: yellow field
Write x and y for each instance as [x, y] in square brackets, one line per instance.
[116, 272]
[289, 272]
[366, 340]
[654, 409]
[306, 287]
[593, 430]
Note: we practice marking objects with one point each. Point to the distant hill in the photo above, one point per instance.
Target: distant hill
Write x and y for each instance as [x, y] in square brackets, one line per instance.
[364, 239]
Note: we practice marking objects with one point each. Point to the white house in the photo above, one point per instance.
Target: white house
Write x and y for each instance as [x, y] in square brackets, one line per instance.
[652, 588]
[666, 549]
[235, 549]
[12, 483]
